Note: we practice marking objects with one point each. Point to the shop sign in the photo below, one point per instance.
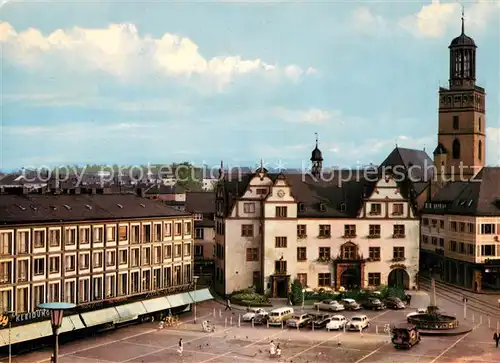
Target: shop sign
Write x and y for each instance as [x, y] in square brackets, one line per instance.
[22, 319]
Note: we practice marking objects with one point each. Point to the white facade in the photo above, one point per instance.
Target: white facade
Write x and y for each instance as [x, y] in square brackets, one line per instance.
[240, 268]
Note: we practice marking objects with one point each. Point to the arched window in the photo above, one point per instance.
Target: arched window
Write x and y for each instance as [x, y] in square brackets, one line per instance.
[456, 149]
[480, 150]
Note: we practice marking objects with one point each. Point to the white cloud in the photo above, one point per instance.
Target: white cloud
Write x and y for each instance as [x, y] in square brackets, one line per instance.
[122, 52]
[435, 19]
[311, 116]
[363, 19]
[493, 146]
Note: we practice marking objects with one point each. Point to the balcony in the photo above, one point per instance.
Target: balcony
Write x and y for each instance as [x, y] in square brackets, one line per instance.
[280, 273]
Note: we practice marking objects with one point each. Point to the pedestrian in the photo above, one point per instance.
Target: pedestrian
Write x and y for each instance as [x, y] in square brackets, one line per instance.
[408, 298]
[496, 338]
[228, 305]
[181, 347]
[278, 350]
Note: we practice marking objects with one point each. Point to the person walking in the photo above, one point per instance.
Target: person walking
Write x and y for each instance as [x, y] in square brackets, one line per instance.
[408, 298]
[228, 305]
[496, 338]
[181, 347]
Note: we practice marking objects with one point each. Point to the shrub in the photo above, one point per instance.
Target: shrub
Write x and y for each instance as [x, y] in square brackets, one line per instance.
[296, 292]
[249, 298]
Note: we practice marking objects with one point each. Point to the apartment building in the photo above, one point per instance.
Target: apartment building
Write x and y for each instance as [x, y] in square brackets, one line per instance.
[202, 206]
[325, 229]
[460, 232]
[90, 248]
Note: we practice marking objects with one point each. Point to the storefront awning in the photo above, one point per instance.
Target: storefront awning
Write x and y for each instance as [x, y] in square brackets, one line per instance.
[99, 317]
[158, 304]
[132, 311]
[179, 299]
[27, 332]
[71, 323]
[201, 295]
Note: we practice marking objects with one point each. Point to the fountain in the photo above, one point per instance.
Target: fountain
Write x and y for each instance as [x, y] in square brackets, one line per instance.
[432, 322]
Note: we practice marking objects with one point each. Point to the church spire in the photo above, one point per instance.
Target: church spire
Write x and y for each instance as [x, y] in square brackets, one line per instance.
[316, 139]
[463, 19]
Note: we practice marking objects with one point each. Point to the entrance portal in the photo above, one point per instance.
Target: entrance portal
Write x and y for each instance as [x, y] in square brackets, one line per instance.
[350, 279]
[399, 278]
[280, 286]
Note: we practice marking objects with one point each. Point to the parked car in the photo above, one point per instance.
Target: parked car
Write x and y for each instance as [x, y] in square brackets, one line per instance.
[319, 321]
[298, 320]
[358, 322]
[280, 315]
[252, 312]
[261, 319]
[373, 304]
[337, 322]
[418, 311]
[329, 305]
[394, 303]
[350, 304]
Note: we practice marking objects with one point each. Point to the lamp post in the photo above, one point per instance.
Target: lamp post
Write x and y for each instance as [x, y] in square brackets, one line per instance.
[195, 279]
[56, 310]
[303, 298]
[10, 316]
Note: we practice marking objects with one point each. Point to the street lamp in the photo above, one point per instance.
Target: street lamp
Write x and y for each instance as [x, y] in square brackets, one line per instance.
[195, 279]
[10, 316]
[56, 310]
[303, 297]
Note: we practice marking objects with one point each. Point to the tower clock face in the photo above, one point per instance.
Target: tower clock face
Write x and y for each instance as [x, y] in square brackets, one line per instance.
[281, 193]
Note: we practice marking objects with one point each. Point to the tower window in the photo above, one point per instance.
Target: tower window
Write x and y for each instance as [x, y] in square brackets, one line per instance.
[456, 149]
[480, 150]
[456, 123]
[479, 124]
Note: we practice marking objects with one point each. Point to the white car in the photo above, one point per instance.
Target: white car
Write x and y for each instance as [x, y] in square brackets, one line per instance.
[358, 322]
[419, 311]
[252, 313]
[337, 322]
[329, 305]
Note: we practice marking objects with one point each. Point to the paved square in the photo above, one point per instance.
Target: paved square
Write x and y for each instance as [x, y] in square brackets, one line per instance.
[242, 343]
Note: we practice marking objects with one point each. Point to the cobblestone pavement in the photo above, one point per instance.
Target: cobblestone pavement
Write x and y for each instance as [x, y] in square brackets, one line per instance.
[242, 343]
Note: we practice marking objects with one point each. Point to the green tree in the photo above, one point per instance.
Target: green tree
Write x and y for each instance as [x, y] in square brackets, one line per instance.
[296, 292]
[187, 176]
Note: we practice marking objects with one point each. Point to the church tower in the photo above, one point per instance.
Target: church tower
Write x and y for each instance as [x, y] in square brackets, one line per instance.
[316, 160]
[460, 152]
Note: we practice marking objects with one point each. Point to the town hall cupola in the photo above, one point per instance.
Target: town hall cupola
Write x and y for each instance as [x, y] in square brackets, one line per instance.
[317, 160]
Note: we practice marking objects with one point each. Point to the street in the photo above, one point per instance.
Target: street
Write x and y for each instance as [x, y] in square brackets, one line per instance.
[244, 343]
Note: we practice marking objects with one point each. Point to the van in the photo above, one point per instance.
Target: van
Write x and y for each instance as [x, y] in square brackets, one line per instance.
[277, 316]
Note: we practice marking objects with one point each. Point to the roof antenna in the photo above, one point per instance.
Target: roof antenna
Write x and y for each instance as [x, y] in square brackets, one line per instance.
[261, 165]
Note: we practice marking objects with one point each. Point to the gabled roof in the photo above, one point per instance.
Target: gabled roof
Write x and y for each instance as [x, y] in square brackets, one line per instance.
[47, 208]
[200, 202]
[478, 197]
[418, 164]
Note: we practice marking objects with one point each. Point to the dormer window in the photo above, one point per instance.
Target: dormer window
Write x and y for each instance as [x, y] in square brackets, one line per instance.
[302, 207]
[198, 217]
[322, 207]
[343, 207]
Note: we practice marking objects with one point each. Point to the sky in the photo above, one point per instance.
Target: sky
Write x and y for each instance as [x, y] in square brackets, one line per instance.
[137, 82]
